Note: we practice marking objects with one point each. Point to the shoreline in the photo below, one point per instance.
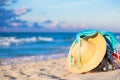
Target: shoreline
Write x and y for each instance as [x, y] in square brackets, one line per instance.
[24, 59]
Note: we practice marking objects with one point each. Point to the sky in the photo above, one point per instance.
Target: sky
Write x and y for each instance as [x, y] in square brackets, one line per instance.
[72, 14]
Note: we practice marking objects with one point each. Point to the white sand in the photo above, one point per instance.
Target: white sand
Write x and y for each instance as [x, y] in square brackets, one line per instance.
[52, 69]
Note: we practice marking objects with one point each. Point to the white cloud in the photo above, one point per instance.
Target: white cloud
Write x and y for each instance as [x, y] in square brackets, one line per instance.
[15, 24]
[7, 2]
[20, 11]
[62, 24]
[52, 24]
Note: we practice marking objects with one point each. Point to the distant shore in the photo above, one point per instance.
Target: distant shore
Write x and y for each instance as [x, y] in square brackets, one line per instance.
[50, 69]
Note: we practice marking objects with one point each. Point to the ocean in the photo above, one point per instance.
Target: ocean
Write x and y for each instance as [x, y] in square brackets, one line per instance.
[20, 44]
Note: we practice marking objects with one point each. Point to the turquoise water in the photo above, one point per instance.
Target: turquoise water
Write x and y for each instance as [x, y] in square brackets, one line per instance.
[28, 44]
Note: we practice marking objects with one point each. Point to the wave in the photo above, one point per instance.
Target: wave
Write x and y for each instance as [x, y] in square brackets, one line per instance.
[4, 44]
[7, 41]
[45, 38]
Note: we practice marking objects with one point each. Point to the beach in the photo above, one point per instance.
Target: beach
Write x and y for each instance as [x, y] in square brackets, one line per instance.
[50, 69]
[45, 38]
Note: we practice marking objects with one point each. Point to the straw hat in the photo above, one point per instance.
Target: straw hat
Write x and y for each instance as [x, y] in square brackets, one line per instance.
[86, 54]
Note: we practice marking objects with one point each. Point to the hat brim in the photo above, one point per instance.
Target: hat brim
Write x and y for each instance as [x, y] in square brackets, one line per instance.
[100, 46]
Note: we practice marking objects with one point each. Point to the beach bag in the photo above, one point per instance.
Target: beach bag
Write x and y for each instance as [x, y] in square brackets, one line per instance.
[93, 50]
[112, 52]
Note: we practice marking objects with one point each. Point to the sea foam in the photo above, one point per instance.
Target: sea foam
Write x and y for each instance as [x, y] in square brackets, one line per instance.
[7, 41]
[45, 38]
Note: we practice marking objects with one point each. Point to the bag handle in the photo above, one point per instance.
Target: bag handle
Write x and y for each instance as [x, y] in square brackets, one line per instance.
[86, 33]
[111, 39]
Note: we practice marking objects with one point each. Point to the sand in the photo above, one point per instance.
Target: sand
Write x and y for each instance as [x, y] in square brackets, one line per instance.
[51, 69]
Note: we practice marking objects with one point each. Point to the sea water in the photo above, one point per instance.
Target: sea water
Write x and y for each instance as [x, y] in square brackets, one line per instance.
[19, 44]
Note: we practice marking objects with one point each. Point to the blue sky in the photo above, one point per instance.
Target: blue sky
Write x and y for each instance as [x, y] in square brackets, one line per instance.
[93, 14]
